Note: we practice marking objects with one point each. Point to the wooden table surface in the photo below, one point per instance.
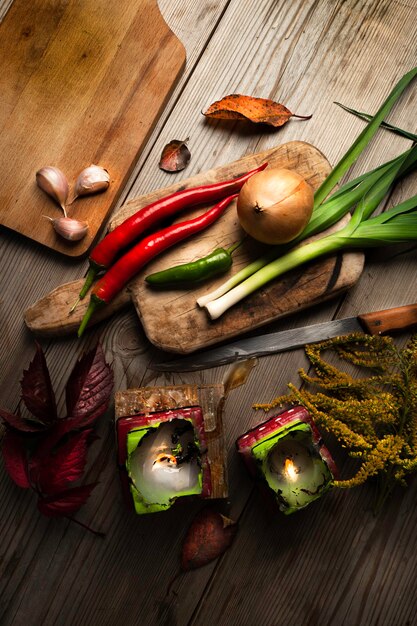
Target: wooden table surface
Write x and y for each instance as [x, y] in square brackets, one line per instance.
[333, 563]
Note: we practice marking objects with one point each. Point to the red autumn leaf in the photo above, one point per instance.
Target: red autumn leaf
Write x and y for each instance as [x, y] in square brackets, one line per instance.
[62, 466]
[65, 503]
[248, 108]
[88, 389]
[14, 457]
[37, 392]
[175, 156]
[208, 537]
[19, 423]
[50, 453]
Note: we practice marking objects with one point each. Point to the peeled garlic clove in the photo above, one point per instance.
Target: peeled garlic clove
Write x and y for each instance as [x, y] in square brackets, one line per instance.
[91, 180]
[68, 228]
[54, 182]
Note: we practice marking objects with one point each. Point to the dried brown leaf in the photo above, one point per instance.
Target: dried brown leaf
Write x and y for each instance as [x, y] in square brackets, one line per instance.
[248, 108]
[208, 537]
[175, 156]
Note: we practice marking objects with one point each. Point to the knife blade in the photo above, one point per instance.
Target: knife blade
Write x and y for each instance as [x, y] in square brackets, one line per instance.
[373, 323]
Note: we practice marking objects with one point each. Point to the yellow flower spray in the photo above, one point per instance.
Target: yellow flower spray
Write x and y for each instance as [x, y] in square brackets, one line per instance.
[373, 416]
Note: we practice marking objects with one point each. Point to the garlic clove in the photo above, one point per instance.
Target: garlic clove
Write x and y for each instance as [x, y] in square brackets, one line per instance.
[68, 228]
[92, 179]
[54, 182]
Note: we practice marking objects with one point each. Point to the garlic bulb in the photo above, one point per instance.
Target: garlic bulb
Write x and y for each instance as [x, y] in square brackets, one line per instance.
[68, 228]
[91, 180]
[54, 182]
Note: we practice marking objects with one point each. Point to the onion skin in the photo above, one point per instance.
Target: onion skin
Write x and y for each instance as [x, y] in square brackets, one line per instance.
[274, 206]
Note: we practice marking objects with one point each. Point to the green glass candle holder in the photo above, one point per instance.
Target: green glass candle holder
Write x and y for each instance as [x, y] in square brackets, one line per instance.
[165, 456]
[288, 455]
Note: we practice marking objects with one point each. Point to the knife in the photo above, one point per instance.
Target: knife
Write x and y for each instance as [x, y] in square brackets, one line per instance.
[373, 323]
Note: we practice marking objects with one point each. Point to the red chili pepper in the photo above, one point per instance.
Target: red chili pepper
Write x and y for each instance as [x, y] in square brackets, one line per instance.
[137, 257]
[105, 252]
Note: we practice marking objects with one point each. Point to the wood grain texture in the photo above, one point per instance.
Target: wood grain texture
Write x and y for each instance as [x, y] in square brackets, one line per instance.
[80, 84]
[380, 322]
[54, 314]
[334, 565]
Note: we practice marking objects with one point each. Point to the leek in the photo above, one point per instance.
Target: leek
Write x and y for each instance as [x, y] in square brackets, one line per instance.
[397, 225]
[326, 215]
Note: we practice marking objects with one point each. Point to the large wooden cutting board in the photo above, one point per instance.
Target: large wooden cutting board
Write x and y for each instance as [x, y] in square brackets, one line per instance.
[172, 320]
[81, 82]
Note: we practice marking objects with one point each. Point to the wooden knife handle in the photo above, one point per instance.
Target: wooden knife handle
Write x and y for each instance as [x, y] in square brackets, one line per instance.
[398, 318]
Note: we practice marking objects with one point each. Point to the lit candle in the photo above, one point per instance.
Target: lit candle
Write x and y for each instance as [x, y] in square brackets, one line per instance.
[165, 455]
[288, 454]
[165, 465]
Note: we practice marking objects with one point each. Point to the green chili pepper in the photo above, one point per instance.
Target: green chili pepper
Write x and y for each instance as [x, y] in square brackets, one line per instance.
[188, 274]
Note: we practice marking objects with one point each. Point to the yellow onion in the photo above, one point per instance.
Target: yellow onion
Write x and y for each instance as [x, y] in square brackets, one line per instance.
[274, 206]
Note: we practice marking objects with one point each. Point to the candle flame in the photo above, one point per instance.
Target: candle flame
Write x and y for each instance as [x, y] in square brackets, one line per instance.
[163, 457]
[290, 469]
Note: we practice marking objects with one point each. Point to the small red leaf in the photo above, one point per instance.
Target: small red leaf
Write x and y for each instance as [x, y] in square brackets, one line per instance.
[208, 537]
[89, 388]
[15, 461]
[175, 156]
[65, 503]
[19, 423]
[63, 465]
[37, 392]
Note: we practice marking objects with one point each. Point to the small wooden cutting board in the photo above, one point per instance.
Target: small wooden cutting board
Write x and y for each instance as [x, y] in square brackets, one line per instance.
[80, 83]
[171, 319]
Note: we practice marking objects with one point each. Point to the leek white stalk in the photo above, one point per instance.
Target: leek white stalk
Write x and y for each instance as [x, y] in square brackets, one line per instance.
[294, 258]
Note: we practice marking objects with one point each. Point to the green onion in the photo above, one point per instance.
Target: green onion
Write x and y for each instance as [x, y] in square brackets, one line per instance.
[397, 225]
[368, 118]
[364, 138]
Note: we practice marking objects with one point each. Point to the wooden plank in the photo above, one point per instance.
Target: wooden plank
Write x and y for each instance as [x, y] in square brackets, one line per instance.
[80, 84]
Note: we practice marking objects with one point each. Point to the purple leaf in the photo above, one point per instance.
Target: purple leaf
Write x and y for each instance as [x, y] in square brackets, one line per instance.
[14, 456]
[89, 388]
[65, 503]
[19, 423]
[37, 392]
[63, 465]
